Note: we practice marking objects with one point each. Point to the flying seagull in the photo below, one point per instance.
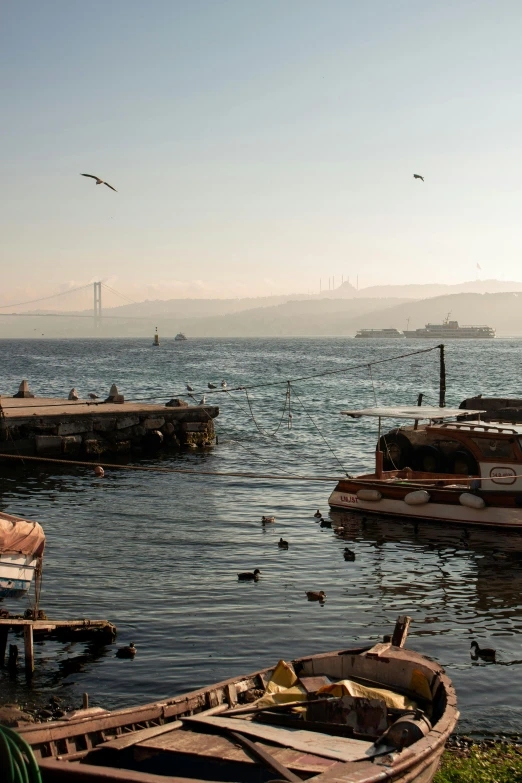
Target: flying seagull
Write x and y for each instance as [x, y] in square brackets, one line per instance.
[99, 181]
[415, 176]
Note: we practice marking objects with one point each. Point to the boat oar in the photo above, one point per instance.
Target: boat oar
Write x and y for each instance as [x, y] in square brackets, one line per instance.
[283, 772]
[279, 707]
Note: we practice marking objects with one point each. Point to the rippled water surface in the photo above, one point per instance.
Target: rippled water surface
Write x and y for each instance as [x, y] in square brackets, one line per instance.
[158, 554]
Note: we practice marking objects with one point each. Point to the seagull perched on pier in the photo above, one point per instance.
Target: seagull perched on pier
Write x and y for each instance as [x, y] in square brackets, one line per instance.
[418, 176]
[99, 181]
[211, 386]
[223, 384]
[189, 387]
[93, 396]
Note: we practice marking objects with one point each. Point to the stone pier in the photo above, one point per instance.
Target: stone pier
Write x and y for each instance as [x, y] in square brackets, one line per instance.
[80, 429]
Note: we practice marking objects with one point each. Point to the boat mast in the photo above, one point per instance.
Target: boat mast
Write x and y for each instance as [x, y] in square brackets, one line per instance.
[442, 378]
[378, 454]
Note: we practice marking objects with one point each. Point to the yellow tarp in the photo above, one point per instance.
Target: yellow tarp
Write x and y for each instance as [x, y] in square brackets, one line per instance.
[282, 687]
[349, 688]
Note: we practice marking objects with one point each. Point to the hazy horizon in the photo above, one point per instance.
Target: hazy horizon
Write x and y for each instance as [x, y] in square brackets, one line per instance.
[258, 148]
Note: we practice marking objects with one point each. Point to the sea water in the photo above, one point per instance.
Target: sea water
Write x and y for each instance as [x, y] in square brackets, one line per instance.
[158, 554]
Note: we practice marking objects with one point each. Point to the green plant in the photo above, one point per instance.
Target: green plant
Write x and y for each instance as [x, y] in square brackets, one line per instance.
[498, 763]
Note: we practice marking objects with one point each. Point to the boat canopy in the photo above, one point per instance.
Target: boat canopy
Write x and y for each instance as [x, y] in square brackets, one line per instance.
[411, 412]
[21, 536]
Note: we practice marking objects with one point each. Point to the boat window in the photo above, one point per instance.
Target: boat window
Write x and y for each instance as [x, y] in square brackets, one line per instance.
[493, 448]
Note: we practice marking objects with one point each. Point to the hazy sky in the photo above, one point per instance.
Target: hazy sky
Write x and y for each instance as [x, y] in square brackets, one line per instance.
[258, 146]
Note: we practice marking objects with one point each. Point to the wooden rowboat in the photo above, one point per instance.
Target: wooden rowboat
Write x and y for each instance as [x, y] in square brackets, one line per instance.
[224, 733]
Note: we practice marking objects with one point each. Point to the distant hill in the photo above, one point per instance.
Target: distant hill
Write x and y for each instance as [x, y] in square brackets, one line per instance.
[502, 311]
[427, 290]
[294, 316]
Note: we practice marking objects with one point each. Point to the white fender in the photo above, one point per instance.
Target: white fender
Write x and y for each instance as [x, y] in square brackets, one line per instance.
[369, 494]
[471, 501]
[417, 498]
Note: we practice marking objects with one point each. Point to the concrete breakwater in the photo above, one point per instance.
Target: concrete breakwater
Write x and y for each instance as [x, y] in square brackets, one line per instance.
[53, 427]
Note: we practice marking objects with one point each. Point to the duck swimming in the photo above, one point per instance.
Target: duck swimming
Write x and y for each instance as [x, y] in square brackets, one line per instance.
[348, 554]
[282, 544]
[267, 520]
[487, 654]
[126, 652]
[318, 514]
[313, 596]
[249, 576]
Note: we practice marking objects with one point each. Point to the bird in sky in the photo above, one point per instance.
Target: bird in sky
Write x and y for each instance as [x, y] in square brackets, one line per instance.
[99, 181]
[415, 176]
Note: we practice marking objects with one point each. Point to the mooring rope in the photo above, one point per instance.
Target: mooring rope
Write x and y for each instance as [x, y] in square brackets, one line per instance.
[151, 469]
[251, 386]
[321, 434]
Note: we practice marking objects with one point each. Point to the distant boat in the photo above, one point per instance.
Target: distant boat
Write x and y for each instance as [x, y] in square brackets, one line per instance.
[180, 336]
[451, 329]
[21, 551]
[379, 333]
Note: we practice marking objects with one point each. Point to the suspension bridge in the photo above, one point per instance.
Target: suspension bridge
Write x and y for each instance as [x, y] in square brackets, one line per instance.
[96, 316]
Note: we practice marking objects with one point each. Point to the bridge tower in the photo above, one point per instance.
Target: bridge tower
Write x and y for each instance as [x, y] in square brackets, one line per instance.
[97, 305]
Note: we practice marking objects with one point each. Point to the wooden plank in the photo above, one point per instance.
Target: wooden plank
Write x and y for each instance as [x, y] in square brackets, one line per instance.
[400, 632]
[53, 771]
[378, 649]
[339, 748]
[221, 748]
[266, 757]
[12, 621]
[133, 737]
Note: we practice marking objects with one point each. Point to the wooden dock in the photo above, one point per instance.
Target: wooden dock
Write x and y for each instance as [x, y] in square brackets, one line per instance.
[64, 630]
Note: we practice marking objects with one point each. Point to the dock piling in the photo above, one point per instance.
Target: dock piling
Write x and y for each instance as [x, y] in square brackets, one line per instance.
[13, 657]
[29, 649]
[3, 644]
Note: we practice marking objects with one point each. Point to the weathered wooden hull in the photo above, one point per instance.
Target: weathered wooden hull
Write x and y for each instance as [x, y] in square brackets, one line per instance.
[78, 748]
[501, 507]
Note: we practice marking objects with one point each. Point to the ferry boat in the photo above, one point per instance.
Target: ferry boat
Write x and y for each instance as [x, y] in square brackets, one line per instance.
[379, 333]
[451, 329]
[484, 489]
[21, 551]
[180, 336]
[368, 713]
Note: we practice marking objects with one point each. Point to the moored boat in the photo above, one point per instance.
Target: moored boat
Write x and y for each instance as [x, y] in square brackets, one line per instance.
[452, 330]
[21, 551]
[379, 333]
[489, 493]
[380, 712]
